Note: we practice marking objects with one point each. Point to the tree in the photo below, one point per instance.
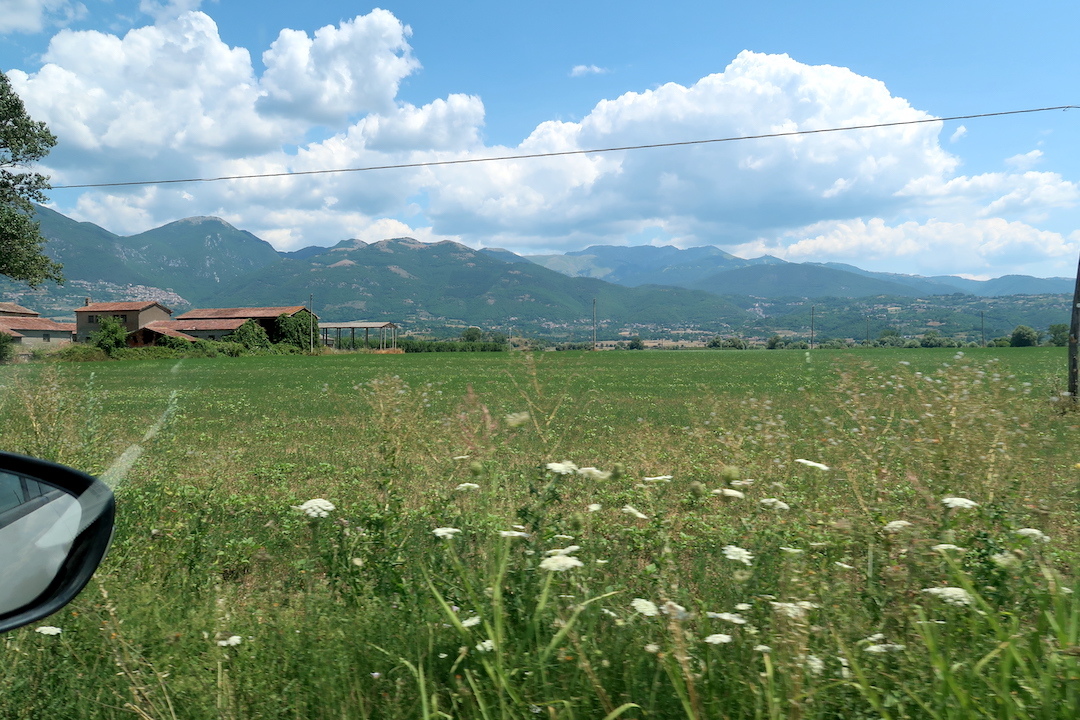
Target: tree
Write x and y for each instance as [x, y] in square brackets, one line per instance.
[251, 335]
[23, 141]
[110, 336]
[636, 343]
[1024, 336]
[7, 347]
[1059, 334]
[472, 334]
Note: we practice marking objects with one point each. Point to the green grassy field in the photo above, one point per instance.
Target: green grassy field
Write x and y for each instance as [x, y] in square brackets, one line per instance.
[221, 599]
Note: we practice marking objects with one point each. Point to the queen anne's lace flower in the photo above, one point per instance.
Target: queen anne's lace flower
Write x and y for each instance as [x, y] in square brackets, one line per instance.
[470, 622]
[728, 492]
[884, 648]
[718, 639]
[730, 617]
[896, 526]
[445, 533]
[941, 547]
[513, 534]
[645, 607]
[517, 419]
[570, 550]
[793, 610]
[315, 508]
[775, 504]
[738, 554]
[658, 478]
[951, 595]
[631, 510]
[485, 646]
[958, 503]
[593, 473]
[467, 486]
[559, 563]
[231, 641]
[564, 468]
[48, 630]
[594, 507]
[1034, 534]
[792, 551]
[811, 463]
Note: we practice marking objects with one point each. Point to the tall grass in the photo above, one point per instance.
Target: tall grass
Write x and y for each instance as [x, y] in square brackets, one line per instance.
[850, 592]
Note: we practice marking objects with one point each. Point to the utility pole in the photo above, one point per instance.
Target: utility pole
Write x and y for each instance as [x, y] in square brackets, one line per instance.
[867, 331]
[594, 323]
[311, 322]
[1074, 334]
[982, 326]
[812, 308]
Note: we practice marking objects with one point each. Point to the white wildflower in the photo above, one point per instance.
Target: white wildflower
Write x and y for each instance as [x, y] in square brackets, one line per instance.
[445, 533]
[791, 550]
[675, 610]
[231, 641]
[652, 648]
[942, 547]
[793, 610]
[1005, 560]
[743, 483]
[738, 554]
[718, 639]
[48, 630]
[744, 606]
[775, 504]
[811, 463]
[570, 550]
[563, 537]
[762, 649]
[658, 478]
[645, 607]
[593, 507]
[844, 565]
[467, 486]
[513, 534]
[485, 646]
[631, 510]
[470, 622]
[958, 503]
[593, 473]
[730, 617]
[517, 419]
[559, 563]
[951, 595]
[896, 526]
[461, 457]
[728, 492]
[564, 468]
[814, 664]
[884, 648]
[315, 508]
[1033, 534]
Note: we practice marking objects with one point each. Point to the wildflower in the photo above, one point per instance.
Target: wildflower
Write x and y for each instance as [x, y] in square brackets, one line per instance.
[593, 507]
[743, 483]
[896, 526]
[513, 534]
[942, 547]
[485, 646]
[517, 419]
[728, 492]
[718, 639]
[231, 641]
[467, 486]
[811, 463]
[743, 606]
[48, 630]
[814, 664]
[315, 508]
[461, 457]
[470, 622]
[1005, 560]
[631, 510]
[762, 649]
[570, 550]
[793, 610]
[775, 504]
[645, 607]
[559, 563]
[958, 503]
[658, 478]
[845, 566]
[593, 474]
[1033, 534]
[564, 468]
[734, 552]
[675, 610]
[375, 675]
[791, 550]
[883, 648]
[951, 595]
[652, 648]
[730, 617]
[563, 537]
[445, 533]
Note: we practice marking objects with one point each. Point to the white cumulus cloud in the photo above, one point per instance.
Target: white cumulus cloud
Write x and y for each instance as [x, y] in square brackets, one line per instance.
[579, 70]
[31, 16]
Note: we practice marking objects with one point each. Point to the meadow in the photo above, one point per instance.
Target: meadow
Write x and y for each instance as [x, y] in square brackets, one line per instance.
[691, 534]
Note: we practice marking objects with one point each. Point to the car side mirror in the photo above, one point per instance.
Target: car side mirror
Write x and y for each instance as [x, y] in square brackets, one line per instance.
[56, 524]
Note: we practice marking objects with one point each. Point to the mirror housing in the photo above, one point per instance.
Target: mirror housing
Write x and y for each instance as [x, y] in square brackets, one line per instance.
[56, 524]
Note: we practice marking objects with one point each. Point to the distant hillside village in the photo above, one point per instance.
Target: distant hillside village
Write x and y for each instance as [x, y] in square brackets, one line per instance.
[148, 323]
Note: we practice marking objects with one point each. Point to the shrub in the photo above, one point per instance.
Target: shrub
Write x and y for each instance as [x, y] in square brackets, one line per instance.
[147, 352]
[79, 352]
[1024, 336]
[295, 330]
[251, 335]
[111, 335]
[7, 347]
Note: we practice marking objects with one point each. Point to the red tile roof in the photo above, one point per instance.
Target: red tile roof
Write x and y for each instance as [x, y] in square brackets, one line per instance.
[7, 308]
[34, 323]
[251, 312]
[132, 306]
[229, 324]
[160, 328]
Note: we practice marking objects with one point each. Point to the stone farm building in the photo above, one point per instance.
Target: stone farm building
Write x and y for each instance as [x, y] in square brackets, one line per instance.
[210, 323]
[28, 329]
[133, 315]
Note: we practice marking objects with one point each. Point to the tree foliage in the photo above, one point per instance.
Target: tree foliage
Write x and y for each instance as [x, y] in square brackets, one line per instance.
[1059, 334]
[7, 347]
[110, 336]
[23, 141]
[1024, 336]
[299, 330]
[251, 335]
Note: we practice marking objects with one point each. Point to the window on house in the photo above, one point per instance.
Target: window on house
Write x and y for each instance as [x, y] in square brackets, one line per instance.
[123, 318]
[92, 319]
[45, 337]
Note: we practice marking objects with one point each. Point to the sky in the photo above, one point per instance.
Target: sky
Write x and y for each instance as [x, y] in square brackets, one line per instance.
[140, 90]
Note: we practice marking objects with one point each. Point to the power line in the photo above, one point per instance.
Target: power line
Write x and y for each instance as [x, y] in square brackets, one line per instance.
[563, 153]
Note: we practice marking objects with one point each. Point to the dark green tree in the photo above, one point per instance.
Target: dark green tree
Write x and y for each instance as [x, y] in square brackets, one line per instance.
[300, 330]
[110, 336]
[636, 343]
[7, 347]
[251, 335]
[472, 334]
[23, 142]
[1024, 336]
[1059, 334]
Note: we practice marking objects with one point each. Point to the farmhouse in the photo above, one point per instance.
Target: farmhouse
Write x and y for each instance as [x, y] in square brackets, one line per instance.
[185, 330]
[132, 314]
[28, 329]
[264, 316]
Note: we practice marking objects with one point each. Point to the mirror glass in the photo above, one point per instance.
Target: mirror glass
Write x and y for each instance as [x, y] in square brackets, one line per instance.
[38, 524]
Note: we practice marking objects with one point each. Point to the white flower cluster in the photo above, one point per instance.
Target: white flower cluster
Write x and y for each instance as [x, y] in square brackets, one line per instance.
[445, 533]
[775, 504]
[231, 641]
[811, 463]
[794, 610]
[1034, 534]
[951, 595]
[48, 630]
[884, 648]
[315, 508]
[729, 617]
[562, 468]
[896, 526]
[467, 486]
[718, 638]
[559, 563]
[738, 554]
[517, 419]
[631, 510]
[728, 492]
[958, 503]
[645, 607]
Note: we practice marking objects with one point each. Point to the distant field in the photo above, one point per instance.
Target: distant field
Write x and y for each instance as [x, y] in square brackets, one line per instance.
[353, 615]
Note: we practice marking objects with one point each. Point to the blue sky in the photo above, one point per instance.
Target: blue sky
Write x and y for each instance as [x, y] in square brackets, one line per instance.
[151, 89]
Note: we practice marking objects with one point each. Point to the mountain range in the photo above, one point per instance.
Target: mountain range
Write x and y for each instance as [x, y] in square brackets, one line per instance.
[206, 262]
